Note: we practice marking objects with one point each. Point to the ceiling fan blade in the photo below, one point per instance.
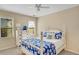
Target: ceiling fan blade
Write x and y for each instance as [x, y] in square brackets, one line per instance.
[44, 7]
[37, 5]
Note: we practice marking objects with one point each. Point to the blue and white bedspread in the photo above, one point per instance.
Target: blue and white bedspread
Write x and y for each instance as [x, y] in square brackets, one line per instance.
[48, 47]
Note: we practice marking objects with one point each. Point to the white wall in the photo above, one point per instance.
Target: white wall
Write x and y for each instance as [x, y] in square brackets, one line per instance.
[68, 18]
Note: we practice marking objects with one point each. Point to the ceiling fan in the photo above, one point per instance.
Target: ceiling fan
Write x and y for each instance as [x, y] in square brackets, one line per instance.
[39, 6]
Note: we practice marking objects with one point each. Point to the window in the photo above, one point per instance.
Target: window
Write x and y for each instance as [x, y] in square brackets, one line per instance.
[31, 27]
[31, 24]
[5, 27]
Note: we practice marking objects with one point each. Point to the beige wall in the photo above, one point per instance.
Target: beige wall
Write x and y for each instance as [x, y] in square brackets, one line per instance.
[18, 19]
[68, 20]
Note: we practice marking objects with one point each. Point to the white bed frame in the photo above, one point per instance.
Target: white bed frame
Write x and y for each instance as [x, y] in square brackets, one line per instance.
[60, 49]
[23, 50]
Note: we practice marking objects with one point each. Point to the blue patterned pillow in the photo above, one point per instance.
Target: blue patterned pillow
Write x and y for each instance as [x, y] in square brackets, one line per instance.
[58, 35]
[45, 34]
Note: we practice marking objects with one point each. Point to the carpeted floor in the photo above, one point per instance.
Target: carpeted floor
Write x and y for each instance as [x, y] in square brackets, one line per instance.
[16, 51]
[11, 51]
[64, 52]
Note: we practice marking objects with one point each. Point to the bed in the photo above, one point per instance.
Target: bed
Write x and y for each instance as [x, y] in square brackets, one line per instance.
[43, 45]
[50, 47]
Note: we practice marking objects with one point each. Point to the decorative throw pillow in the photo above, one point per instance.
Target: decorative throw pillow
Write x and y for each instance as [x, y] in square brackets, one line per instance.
[58, 35]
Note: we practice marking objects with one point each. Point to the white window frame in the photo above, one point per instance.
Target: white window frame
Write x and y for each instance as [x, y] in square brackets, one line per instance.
[13, 29]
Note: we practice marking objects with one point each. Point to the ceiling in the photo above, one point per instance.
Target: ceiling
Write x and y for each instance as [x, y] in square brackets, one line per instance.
[30, 10]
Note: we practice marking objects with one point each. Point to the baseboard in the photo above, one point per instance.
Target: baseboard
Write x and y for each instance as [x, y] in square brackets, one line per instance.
[72, 51]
